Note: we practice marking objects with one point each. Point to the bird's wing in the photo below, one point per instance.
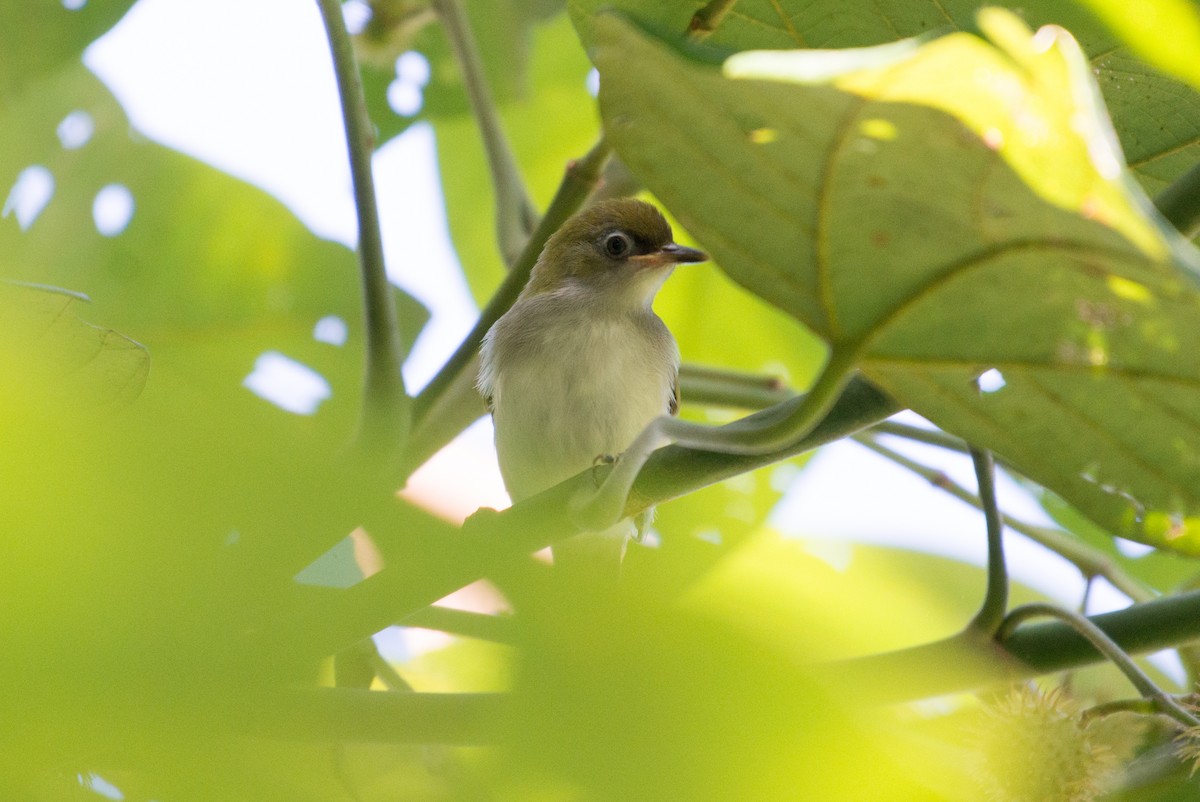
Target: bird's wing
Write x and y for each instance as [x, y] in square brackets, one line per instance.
[673, 404]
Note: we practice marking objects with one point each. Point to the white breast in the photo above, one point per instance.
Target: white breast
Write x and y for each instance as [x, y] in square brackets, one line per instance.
[582, 388]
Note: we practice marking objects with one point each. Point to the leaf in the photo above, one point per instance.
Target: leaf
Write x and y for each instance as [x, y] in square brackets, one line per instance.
[1156, 117]
[1165, 33]
[79, 358]
[945, 210]
[43, 38]
[207, 271]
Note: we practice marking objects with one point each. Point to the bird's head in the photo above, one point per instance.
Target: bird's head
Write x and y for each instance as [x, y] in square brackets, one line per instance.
[620, 249]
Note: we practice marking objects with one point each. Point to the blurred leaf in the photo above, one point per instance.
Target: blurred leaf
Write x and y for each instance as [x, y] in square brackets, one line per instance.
[83, 359]
[206, 264]
[1165, 33]
[921, 162]
[44, 37]
[1156, 117]
[634, 697]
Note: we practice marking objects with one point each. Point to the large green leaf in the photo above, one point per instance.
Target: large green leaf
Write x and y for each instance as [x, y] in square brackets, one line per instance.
[927, 210]
[1156, 117]
[38, 39]
[207, 265]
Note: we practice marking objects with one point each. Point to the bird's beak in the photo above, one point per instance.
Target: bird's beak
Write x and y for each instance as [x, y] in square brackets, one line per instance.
[670, 254]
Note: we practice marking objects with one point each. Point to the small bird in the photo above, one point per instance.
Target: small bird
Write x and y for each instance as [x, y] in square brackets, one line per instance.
[580, 364]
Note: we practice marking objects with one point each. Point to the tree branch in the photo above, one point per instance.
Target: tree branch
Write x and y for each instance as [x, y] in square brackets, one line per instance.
[995, 601]
[578, 182]
[516, 217]
[1091, 562]
[385, 412]
[490, 539]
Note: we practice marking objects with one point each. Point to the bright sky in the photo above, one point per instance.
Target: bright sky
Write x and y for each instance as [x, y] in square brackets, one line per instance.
[246, 85]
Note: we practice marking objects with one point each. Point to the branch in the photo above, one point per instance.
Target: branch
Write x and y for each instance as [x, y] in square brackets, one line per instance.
[491, 540]
[716, 387]
[1091, 562]
[385, 413]
[516, 217]
[995, 601]
[1107, 647]
[967, 663]
[577, 184]
[1180, 202]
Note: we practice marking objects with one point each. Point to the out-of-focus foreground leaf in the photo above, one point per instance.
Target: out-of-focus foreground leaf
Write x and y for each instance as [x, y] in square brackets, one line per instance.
[95, 363]
[925, 209]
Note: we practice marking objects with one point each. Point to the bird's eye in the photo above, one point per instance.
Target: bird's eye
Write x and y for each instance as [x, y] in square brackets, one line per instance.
[617, 245]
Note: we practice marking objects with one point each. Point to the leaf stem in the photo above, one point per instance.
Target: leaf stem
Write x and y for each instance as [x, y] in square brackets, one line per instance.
[1107, 647]
[516, 217]
[578, 182]
[1091, 562]
[717, 387]
[385, 411]
[995, 599]
[1180, 202]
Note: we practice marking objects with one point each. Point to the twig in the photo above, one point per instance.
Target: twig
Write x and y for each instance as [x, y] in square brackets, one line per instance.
[577, 184]
[718, 387]
[495, 628]
[995, 600]
[516, 217]
[385, 412]
[1180, 202]
[1090, 561]
[1107, 647]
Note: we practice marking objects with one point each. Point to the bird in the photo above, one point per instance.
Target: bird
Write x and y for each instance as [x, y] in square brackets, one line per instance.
[580, 364]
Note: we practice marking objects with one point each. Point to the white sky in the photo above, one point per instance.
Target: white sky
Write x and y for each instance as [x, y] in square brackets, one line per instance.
[246, 85]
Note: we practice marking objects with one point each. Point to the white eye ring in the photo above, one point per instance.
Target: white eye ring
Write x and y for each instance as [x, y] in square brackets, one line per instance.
[617, 245]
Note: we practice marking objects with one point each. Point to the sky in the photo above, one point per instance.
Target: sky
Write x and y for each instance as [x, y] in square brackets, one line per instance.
[246, 86]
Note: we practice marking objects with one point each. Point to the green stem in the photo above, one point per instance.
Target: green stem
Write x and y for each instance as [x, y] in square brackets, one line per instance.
[385, 412]
[576, 185]
[516, 217]
[1180, 202]
[1091, 562]
[932, 437]
[717, 387]
[490, 539]
[495, 628]
[1107, 647]
[995, 600]
[965, 663]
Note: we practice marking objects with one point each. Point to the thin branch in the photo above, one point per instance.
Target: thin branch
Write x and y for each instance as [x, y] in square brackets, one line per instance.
[491, 539]
[717, 387]
[967, 663]
[516, 217]
[1180, 202]
[577, 184]
[385, 412]
[1091, 562]
[495, 628]
[1105, 646]
[932, 437]
[995, 600]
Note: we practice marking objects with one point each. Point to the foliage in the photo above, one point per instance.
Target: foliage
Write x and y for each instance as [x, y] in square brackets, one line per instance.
[900, 198]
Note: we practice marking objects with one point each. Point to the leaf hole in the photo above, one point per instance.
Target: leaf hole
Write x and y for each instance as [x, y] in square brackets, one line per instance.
[990, 381]
[332, 330]
[113, 209]
[286, 383]
[33, 189]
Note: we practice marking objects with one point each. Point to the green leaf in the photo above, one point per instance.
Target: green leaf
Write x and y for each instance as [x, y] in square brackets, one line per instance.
[925, 214]
[41, 38]
[1165, 33]
[82, 359]
[1156, 117]
[209, 271]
